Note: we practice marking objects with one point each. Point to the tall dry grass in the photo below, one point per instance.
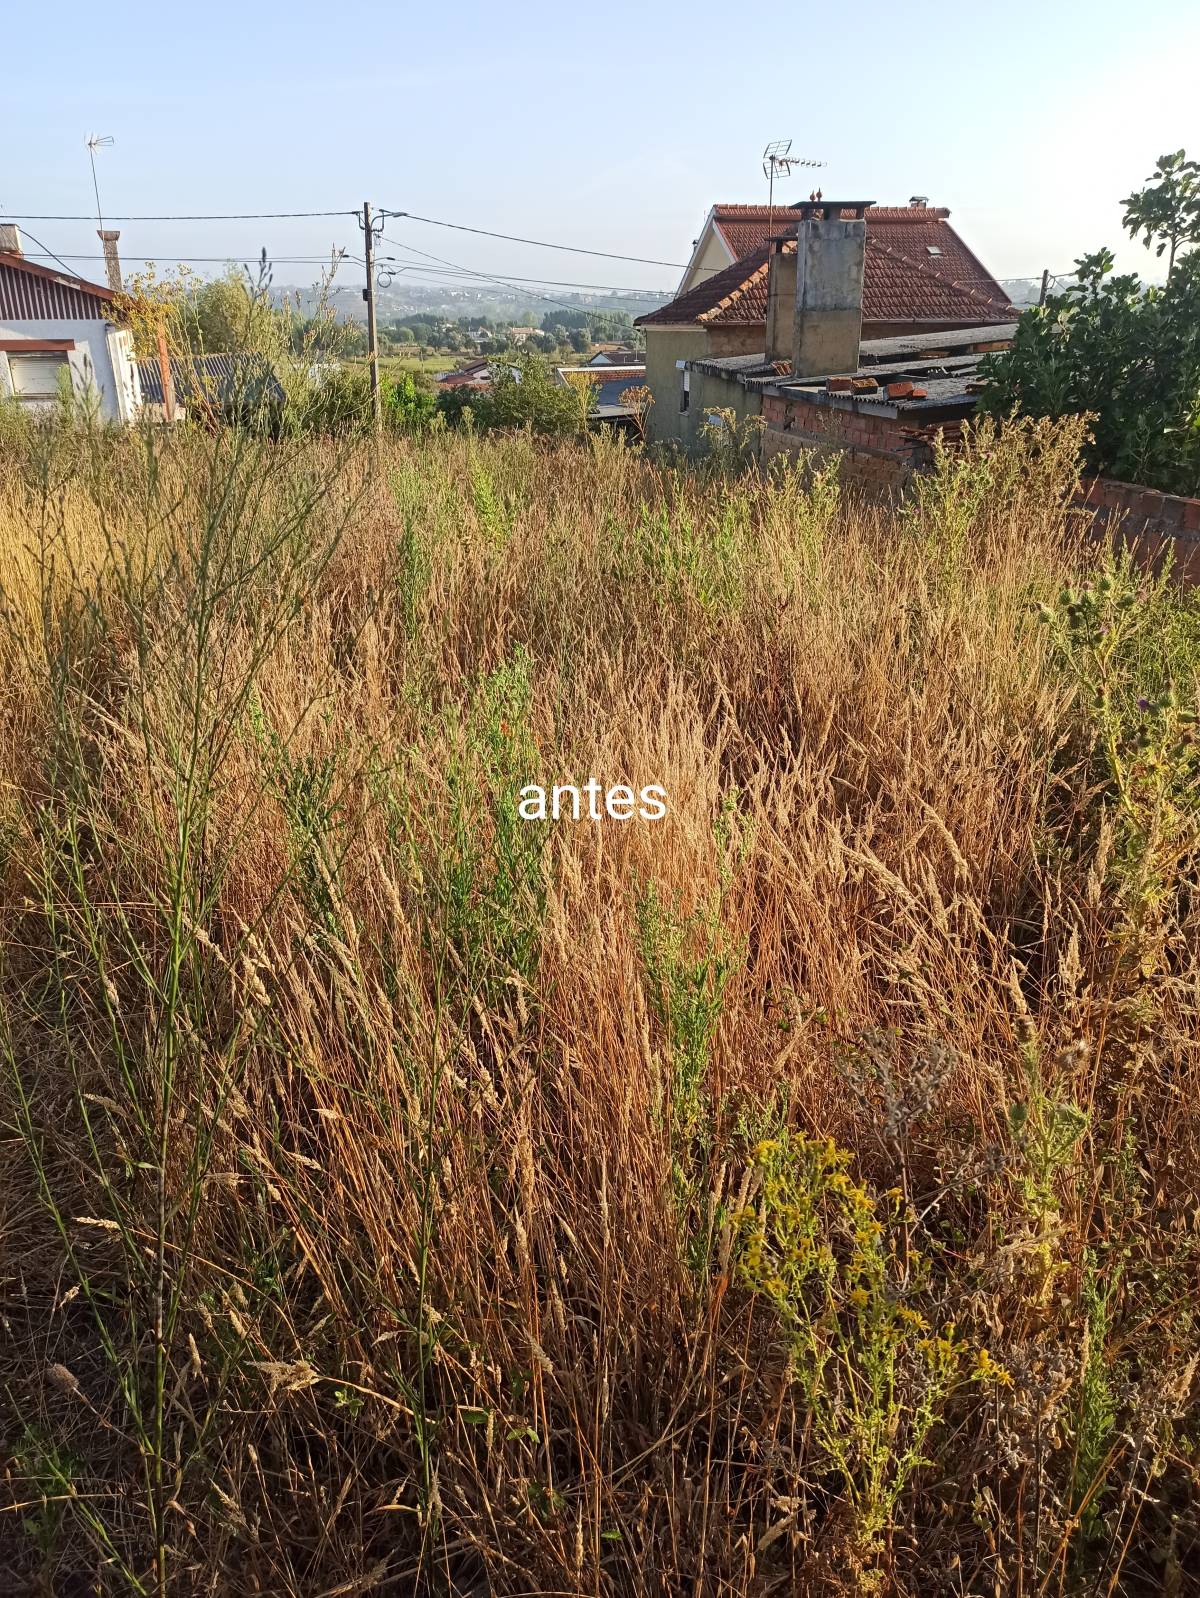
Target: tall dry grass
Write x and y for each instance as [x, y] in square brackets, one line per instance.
[794, 1195]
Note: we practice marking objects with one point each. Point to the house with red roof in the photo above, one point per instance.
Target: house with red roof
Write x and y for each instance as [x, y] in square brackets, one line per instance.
[918, 277]
[59, 334]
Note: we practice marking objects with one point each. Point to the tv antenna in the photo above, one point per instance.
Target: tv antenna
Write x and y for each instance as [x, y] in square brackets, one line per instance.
[777, 157]
[98, 141]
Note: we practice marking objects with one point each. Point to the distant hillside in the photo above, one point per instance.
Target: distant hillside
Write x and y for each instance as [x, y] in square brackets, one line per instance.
[398, 299]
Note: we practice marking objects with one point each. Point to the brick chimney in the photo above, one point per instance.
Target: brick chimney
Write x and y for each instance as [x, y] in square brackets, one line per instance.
[112, 264]
[10, 238]
[831, 247]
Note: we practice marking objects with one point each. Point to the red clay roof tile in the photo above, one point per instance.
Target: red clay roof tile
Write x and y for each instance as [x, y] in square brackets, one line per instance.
[902, 282]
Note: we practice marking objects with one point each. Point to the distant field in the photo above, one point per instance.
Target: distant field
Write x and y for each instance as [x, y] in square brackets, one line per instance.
[441, 362]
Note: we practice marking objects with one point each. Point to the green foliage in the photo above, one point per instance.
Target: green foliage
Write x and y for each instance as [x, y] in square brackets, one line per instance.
[729, 443]
[834, 1263]
[1167, 211]
[232, 315]
[687, 968]
[1145, 747]
[489, 884]
[408, 402]
[1123, 352]
[1097, 1425]
[523, 394]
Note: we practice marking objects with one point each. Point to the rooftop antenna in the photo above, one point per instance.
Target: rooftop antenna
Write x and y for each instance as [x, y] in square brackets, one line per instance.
[107, 236]
[98, 141]
[777, 157]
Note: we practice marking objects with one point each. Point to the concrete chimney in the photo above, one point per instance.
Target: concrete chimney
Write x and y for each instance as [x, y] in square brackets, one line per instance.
[781, 297]
[831, 249]
[919, 201]
[112, 264]
[10, 238]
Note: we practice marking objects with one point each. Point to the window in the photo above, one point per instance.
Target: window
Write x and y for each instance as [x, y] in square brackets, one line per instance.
[685, 391]
[933, 249]
[35, 378]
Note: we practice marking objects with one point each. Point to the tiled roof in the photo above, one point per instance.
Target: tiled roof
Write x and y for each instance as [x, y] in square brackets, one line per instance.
[603, 374]
[902, 282]
[745, 227]
[737, 294]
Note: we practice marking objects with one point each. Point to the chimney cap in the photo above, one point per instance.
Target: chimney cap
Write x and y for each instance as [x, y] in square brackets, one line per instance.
[919, 201]
[831, 210]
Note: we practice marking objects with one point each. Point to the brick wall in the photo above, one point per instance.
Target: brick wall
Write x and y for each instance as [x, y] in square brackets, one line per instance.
[1158, 525]
[879, 453]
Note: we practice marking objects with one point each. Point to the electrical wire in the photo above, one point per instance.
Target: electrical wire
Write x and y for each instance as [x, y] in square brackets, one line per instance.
[173, 260]
[486, 277]
[543, 244]
[552, 282]
[233, 216]
[58, 258]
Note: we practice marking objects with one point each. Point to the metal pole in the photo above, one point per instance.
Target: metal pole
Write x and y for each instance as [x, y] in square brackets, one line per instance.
[372, 335]
[1045, 286]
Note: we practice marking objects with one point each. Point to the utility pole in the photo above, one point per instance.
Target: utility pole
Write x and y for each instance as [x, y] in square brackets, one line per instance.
[1045, 286]
[369, 295]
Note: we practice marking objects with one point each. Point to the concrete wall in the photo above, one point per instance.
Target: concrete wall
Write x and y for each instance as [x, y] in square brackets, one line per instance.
[781, 305]
[830, 256]
[664, 347]
[710, 392]
[101, 364]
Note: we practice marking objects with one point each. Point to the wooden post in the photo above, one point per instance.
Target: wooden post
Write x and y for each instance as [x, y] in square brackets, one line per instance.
[372, 333]
[164, 372]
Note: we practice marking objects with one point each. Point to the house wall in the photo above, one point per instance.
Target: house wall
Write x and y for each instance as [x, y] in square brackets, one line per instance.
[101, 362]
[664, 347]
[710, 392]
[713, 257]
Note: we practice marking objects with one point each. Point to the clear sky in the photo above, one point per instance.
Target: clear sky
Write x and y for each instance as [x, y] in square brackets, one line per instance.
[611, 126]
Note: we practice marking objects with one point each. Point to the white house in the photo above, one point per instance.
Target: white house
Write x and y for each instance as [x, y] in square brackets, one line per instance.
[53, 324]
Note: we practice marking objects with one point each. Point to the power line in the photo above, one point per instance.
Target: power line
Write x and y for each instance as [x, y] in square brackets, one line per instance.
[280, 260]
[486, 277]
[544, 244]
[235, 216]
[553, 282]
[58, 258]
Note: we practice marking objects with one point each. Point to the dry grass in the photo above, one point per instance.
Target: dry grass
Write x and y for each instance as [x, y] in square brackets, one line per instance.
[399, 1198]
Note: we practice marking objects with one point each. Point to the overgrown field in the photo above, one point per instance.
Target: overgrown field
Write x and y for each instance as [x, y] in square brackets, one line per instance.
[794, 1195]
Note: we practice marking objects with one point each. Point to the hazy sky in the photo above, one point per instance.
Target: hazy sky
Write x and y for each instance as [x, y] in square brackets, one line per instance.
[611, 126]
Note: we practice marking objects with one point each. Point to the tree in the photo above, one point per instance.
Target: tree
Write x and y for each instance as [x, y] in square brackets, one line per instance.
[1168, 209]
[233, 314]
[523, 394]
[149, 303]
[1127, 353]
[408, 402]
